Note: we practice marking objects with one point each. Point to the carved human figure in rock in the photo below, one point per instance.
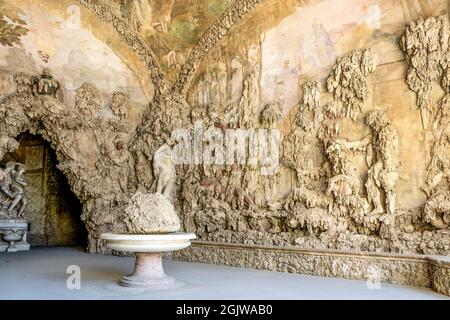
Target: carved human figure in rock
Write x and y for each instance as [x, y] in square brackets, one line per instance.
[269, 117]
[46, 84]
[383, 162]
[249, 102]
[297, 149]
[343, 182]
[231, 115]
[164, 169]
[5, 185]
[439, 167]
[119, 105]
[437, 207]
[188, 195]
[123, 162]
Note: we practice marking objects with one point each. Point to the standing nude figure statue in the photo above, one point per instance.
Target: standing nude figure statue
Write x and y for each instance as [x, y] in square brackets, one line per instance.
[164, 169]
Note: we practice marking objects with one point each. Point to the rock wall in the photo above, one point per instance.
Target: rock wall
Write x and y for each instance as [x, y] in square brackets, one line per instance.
[341, 124]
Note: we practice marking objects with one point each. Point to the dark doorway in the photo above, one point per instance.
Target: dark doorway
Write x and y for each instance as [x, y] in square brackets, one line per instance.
[53, 211]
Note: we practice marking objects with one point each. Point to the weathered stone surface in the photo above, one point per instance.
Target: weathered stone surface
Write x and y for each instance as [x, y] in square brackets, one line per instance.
[360, 167]
[375, 268]
[150, 213]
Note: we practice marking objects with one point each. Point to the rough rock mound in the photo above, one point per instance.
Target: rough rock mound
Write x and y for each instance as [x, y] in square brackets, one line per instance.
[149, 213]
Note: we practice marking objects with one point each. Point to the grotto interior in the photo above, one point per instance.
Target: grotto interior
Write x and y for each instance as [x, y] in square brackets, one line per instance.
[309, 137]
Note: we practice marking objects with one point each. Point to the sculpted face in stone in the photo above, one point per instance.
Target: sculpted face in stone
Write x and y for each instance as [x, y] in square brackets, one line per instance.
[119, 145]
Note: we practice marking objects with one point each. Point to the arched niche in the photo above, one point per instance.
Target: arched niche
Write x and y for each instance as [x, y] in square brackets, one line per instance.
[81, 143]
[53, 211]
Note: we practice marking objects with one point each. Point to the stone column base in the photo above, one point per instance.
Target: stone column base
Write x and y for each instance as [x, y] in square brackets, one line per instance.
[148, 273]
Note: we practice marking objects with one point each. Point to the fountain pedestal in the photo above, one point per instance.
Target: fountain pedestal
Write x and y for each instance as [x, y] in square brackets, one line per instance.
[149, 249]
[13, 235]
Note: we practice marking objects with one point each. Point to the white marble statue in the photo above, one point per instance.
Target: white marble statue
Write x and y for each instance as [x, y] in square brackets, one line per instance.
[164, 170]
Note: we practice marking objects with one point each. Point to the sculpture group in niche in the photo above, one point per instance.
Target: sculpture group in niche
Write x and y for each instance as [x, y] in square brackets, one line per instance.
[13, 200]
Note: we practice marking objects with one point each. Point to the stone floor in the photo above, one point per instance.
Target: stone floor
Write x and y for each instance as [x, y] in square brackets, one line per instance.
[41, 274]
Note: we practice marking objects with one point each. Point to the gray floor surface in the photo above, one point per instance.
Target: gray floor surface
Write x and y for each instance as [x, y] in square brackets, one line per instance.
[42, 274]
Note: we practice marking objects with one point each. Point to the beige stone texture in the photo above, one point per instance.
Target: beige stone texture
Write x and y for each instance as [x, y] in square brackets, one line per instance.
[357, 89]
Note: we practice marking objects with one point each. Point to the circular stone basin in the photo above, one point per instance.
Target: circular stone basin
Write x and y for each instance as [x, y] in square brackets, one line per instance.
[149, 249]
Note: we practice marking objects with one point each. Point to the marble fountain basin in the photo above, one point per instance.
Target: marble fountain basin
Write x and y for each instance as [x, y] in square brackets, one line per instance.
[149, 249]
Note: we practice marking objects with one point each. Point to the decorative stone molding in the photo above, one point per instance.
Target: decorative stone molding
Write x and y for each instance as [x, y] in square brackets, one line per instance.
[413, 270]
[440, 273]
